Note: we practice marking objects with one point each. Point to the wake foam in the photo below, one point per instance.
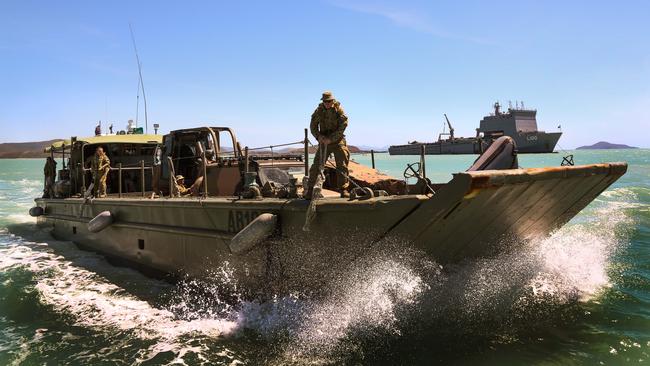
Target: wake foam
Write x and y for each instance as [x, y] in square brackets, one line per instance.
[68, 281]
[397, 294]
[20, 218]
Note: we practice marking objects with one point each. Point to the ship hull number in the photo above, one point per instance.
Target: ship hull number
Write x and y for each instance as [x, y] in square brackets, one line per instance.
[238, 219]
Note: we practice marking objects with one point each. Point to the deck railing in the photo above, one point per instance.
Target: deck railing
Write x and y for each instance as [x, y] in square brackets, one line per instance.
[172, 184]
[141, 167]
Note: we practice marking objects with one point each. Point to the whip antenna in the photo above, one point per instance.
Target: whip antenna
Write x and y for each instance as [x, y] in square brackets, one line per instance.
[144, 97]
[137, 104]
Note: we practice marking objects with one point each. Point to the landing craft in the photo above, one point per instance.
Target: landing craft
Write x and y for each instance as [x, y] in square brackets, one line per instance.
[518, 123]
[246, 210]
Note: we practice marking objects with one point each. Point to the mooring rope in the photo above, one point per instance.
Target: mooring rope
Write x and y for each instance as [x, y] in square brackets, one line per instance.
[310, 215]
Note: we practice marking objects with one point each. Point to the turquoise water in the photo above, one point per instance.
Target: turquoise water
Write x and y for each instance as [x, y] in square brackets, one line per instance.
[580, 297]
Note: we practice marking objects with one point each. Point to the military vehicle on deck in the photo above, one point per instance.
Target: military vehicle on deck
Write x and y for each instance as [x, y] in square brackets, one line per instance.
[517, 123]
[246, 211]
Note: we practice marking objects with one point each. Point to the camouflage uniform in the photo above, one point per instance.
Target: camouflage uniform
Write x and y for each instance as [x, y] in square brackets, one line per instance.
[331, 123]
[182, 190]
[100, 166]
[180, 185]
[49, 171]
[157, 168]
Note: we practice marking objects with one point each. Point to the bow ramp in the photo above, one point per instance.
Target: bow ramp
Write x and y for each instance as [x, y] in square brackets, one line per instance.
[480, 213]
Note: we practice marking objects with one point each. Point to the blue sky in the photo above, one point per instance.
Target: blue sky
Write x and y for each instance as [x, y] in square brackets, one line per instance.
[260, 66]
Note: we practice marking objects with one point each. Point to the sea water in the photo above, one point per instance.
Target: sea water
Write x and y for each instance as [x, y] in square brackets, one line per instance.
[581, 296]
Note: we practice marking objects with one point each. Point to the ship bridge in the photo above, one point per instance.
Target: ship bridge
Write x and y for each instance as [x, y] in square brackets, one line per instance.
[513, 122]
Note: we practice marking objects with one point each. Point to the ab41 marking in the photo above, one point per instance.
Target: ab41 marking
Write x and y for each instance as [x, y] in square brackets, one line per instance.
[237, 219]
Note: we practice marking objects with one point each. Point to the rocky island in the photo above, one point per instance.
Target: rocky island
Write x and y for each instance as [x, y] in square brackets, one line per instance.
[603, 145]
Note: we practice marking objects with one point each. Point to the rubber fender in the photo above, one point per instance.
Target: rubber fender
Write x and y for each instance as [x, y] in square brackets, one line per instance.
[103, 220]
[36, 211]
[254, 233]
[361, 193]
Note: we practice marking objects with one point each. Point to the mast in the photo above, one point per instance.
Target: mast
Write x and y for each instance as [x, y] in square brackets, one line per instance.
[497, 109]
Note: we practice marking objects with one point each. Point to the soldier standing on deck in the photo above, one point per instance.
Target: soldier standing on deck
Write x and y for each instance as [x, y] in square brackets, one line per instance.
[328, 124]
[49, 171]
[100, 165]
[157, 169]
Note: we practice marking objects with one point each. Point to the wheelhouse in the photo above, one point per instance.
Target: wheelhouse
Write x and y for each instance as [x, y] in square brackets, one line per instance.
[132, 160]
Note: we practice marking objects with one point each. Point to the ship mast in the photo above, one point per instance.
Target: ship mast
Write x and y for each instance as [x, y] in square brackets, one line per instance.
[497, 108]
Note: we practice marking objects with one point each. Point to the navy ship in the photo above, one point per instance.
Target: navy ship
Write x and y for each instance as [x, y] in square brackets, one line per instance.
[518, 123]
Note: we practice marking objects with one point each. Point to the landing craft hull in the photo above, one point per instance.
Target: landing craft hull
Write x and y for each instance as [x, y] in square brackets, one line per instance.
[476, 214]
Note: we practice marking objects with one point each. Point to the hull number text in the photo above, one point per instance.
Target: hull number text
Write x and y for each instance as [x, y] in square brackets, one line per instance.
[237, 219]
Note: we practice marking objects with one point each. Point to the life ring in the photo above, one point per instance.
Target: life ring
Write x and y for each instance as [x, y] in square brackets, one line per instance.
[254, 233]
[103, 220]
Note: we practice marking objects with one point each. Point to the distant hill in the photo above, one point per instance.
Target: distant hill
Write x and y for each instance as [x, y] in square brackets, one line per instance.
[376, 148]
[603, 145]
[312, 150]
[13, 150]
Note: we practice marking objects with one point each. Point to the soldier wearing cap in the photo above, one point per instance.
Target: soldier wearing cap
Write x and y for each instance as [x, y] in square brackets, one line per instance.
[180, 183]
[328, 124]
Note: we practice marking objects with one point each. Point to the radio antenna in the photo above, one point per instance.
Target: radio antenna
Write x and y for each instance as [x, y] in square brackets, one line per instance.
[137, 104]
[144, 97]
